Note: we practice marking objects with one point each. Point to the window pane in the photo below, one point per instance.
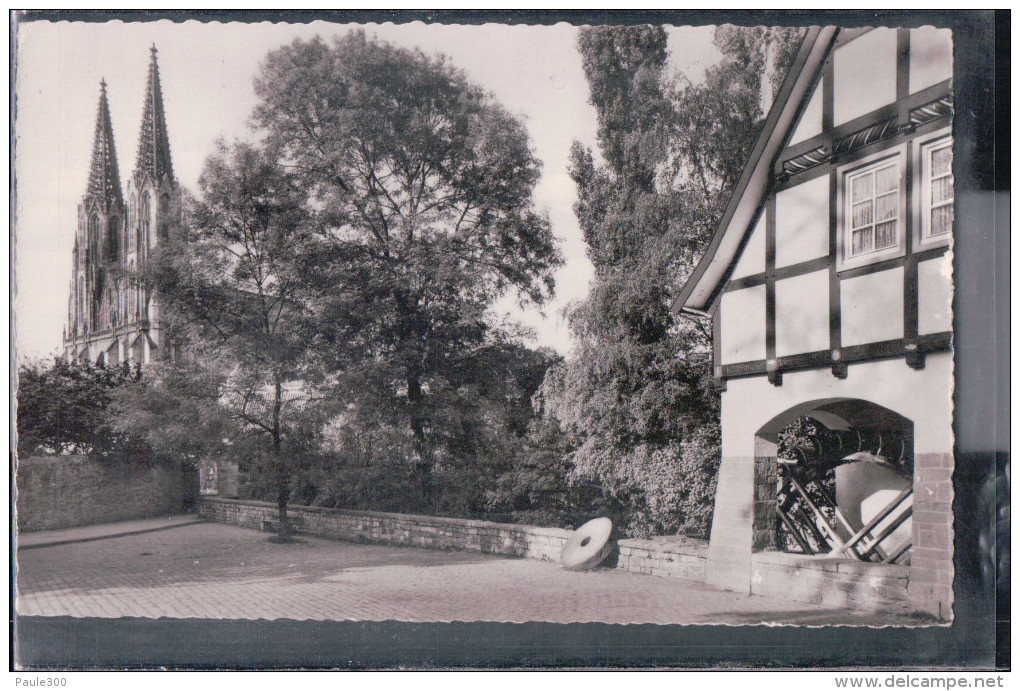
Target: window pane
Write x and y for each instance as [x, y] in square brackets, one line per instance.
[862, 187]
[887, 179]
[942, 220]
[941, 190]
[886, 207]
[861, 241]
[885, 234]
[862, 214]
[941, 161]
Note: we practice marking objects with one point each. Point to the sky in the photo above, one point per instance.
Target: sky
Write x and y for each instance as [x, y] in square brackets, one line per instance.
[206, 71]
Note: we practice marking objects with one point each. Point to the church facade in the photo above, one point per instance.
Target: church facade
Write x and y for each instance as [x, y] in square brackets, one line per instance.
[112, 318]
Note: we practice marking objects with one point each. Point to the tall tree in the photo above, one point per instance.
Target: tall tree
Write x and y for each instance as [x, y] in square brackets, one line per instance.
[636, 394]
[227, 284]
[423, 189]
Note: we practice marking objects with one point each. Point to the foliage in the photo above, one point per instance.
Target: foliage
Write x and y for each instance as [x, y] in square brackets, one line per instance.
[228, 288]
[537, 488]
[636, 395]
[422, 186]
[66, 408]
[364, 456]
[176, 411]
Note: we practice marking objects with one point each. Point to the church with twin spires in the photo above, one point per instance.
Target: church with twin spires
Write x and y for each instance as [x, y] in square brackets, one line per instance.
[112, 317]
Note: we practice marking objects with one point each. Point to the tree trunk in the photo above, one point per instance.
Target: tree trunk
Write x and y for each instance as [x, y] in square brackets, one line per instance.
[422, 458]
[282, 497]
[282, 474]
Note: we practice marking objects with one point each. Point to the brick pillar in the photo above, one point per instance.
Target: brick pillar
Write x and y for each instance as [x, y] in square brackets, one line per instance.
[739, 511]
[766, 479]
[931, 561]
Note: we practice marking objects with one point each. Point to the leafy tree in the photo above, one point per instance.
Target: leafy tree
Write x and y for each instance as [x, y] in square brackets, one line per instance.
[228, 288]
[636, 396]
[65, 408]
[485, 414]
[176, 410]
[422, 186]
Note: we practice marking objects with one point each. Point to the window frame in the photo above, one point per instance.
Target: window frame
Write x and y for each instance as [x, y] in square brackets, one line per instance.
[844, 216]
[922, 189]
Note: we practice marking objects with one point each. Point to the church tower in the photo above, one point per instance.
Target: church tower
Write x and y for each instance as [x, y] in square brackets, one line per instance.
[112, 317]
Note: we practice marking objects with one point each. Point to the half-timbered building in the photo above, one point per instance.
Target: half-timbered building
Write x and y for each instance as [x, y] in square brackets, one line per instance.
[829, 288]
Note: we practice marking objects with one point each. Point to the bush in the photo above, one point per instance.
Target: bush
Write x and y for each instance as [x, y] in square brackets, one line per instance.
[66, 408]
[658, 491]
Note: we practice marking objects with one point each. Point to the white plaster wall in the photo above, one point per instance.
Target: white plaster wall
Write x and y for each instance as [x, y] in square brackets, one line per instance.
[872, 307]
[865, 75]
[743, 325]
[802, 222]
[931, 57]
[752, 259]
[924, 396]
[802, 314]
[811, 119]
[935, 295]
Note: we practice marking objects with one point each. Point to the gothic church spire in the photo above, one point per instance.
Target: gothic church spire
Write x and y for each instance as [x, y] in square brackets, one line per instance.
[153, 144]
[104, 178]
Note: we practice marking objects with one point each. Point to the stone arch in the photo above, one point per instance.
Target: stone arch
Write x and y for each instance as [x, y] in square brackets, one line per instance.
[865, 447]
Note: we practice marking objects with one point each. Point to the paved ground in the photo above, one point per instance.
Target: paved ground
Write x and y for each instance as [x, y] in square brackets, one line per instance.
[183, 569]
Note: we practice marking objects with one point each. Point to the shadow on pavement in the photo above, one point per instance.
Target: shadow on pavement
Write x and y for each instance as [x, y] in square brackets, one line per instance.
[105, 536]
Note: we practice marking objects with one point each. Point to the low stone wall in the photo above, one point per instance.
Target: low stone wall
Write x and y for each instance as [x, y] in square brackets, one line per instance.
[67, 491]
[658, 558]
[673, 559]
[835, 582]
[819, 579]
[431, 532]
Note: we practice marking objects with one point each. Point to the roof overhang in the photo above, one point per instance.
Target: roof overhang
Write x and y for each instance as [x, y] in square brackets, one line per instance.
[703, 287]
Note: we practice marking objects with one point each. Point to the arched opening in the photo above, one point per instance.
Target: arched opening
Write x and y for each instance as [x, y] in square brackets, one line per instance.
[112, 356]
[146, 220]
[92, 238]
[138, 351]
[80, 317]
[132, 232]
[834, 477]
[164, 216]
[113, 240]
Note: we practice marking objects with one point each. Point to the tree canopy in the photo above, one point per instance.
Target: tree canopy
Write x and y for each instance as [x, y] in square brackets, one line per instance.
[636, 396]
[66, 408]
[422, 189]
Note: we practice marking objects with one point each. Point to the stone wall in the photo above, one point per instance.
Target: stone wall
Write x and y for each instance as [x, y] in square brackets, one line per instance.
[66, 491]
[671, 559]
[829, 581]
[835, 582]
[396, 529]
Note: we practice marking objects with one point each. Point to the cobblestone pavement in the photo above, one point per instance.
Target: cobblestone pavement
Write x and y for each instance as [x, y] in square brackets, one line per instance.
[207, 570]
